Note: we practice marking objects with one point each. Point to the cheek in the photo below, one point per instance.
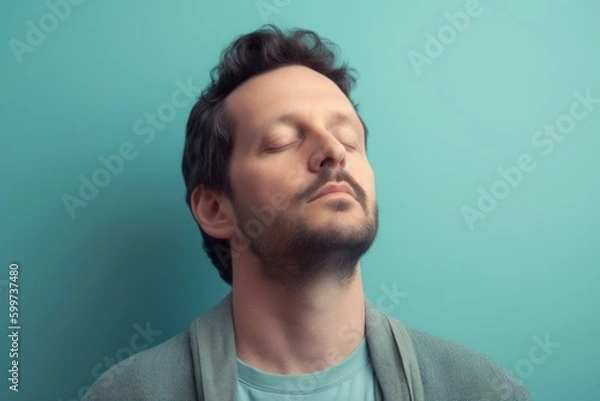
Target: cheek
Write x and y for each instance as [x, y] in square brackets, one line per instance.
[367, 180]
[293, 177]
[245, 186]
[372, 184]
[264, 190]
[284, 190]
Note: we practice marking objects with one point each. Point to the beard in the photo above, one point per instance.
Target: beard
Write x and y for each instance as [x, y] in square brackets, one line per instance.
[293, 254]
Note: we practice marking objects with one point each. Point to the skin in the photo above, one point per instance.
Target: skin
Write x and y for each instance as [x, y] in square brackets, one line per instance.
[298, 300]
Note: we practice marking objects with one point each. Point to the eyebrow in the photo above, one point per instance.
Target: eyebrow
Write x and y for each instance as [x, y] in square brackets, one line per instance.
[338, 118]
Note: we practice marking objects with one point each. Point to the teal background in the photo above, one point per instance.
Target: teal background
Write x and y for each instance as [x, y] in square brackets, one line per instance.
[133, 254]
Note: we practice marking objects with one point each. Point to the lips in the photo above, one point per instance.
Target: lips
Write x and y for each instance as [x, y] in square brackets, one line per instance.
[331, 188]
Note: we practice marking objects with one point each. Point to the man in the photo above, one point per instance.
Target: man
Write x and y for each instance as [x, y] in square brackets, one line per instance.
[278, 180]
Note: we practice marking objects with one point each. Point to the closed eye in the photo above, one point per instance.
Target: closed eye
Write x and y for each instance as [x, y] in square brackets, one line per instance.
[281, 148]
[277, 149]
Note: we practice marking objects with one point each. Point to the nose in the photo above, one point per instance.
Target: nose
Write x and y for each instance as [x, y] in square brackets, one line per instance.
[329, 153]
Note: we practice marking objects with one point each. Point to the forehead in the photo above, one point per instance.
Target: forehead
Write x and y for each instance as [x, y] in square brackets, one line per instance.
[286, 90]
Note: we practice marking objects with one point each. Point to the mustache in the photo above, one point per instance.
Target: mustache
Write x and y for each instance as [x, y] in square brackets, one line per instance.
[340, 176]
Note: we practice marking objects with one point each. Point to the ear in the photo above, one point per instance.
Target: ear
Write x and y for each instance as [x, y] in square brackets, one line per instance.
[213, 212]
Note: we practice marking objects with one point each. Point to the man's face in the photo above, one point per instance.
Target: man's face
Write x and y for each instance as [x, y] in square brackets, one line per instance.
[276, 170]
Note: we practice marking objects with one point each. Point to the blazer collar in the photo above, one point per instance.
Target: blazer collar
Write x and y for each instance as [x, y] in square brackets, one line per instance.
[215, 358]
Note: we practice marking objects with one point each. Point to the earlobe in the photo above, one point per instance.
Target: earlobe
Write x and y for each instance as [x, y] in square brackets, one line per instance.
[211, 213]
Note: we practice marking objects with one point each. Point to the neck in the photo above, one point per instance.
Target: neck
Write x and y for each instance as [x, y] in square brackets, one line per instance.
[296, 332]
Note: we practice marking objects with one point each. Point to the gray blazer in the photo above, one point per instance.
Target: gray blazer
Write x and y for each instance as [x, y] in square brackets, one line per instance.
[201, 364]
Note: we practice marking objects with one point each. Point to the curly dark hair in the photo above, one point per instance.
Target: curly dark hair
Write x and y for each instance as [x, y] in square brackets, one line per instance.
[208, 140]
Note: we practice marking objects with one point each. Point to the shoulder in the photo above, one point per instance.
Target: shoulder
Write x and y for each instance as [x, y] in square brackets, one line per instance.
[162, 372]
[449, 368]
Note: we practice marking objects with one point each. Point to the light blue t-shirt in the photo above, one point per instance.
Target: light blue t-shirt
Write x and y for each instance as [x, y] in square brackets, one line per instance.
[353, 379]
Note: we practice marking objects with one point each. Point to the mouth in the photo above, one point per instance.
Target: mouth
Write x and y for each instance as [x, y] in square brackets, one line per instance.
[334, 189]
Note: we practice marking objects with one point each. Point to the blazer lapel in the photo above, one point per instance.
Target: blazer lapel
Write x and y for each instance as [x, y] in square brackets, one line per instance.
[393, 357]
[213, 351]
